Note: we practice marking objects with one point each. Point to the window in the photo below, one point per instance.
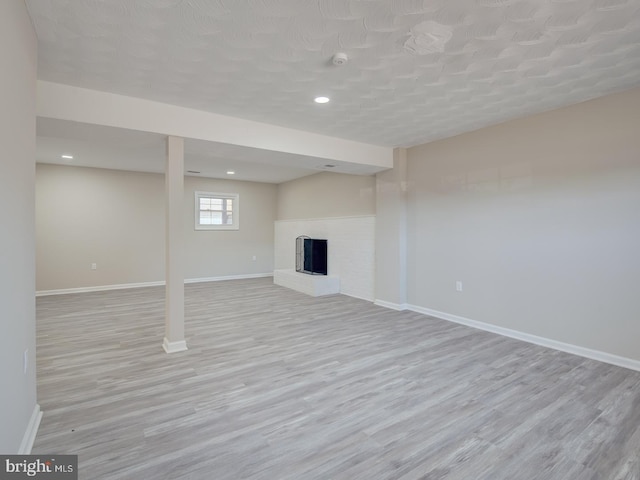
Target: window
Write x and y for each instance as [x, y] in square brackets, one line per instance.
[217, 211]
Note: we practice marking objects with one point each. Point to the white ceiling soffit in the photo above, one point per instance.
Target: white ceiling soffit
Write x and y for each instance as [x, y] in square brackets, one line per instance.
[266, 60]
[121, 149]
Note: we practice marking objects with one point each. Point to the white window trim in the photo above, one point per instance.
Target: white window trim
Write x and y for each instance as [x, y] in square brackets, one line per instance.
[236, 211]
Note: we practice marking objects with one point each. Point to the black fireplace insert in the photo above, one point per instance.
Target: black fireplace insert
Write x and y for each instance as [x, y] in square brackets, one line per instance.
[311, 255]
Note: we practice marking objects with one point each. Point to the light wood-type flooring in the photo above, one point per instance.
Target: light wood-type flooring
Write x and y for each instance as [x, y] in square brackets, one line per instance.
[277, 385]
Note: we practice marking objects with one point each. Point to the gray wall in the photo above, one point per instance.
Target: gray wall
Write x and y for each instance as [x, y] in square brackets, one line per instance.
[88, 215]
[18, 57]
[391, 234]
[325, 195]
[231, 252]
[540, 220]
[116, 220]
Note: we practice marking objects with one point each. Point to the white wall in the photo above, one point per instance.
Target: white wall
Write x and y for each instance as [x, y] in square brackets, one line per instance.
[540, 220]
[18, 55]
[116, 220]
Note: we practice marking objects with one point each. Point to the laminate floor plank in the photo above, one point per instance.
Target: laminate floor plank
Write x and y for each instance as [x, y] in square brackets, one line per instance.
[280, 385]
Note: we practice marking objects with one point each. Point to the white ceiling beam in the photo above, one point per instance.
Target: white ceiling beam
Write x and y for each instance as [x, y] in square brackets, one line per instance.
[66, 102]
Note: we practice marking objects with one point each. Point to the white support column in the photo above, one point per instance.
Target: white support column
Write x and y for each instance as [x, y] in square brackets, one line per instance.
[174, 259]
[391, 234]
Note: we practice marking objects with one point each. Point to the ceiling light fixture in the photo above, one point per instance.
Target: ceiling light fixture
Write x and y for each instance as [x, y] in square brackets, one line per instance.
[67, 157]
[230, 172]
[321, 99]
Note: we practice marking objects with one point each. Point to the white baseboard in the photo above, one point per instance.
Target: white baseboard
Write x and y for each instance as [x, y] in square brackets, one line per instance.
[228, 277]
[173, 347]
[527, 337]
[99, 288]
[392, 306]
[31, 431]
[315, 219]
[102, 288]
[359, 297]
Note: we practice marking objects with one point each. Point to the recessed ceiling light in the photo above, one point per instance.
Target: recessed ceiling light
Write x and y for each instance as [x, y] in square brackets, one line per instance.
[230, 172]
[321, 99]
[67, 157]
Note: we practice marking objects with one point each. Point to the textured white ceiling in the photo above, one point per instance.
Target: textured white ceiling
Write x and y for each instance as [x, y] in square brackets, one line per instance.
[265, 60]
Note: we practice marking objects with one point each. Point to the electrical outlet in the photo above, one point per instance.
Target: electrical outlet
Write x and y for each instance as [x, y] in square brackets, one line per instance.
[94, 266]
[458, 286]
